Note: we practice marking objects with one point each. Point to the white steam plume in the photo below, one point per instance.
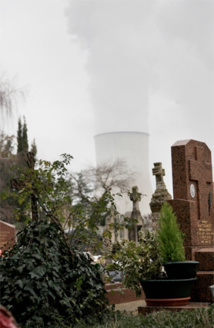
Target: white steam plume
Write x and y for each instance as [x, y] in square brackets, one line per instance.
[116, 33]
[151, 57]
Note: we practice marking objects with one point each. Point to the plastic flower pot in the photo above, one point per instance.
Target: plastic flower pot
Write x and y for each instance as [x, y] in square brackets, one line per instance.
[181, 269]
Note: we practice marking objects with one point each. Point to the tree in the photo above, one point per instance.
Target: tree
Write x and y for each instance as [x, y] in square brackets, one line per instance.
[6, 145]
[69, 198]
[170, 237]
[100, 185]
[8, 96]
[33, 147]
[7, 160]
[22, 138]
[109, 175]
[7, 93]
[50, 185]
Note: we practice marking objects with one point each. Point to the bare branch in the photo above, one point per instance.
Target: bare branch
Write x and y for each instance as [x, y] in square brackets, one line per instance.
[8, 97]
[109, 175]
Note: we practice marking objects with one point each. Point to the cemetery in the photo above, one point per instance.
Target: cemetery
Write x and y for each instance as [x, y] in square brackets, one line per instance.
[163, 272]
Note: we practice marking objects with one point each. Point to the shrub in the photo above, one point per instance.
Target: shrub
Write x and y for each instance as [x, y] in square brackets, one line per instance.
[42, 280]
[170, 238]
[139, 261]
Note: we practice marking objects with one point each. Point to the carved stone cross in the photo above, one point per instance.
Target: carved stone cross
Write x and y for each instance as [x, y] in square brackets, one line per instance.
[201, 173]
[159, 173]
[135, 197]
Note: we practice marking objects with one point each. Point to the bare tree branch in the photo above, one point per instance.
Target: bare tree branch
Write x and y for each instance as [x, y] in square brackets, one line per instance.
[109, 175]
[8, 97]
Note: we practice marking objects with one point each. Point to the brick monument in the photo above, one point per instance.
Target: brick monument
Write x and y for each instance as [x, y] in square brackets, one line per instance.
[7, 235]
[193, 205]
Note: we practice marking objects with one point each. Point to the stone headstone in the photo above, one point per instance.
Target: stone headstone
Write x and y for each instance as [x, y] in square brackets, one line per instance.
[161, 194]
[7, 235]
[194, 207]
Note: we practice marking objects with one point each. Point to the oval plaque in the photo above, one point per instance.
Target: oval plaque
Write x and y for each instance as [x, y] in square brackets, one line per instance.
[192, 190]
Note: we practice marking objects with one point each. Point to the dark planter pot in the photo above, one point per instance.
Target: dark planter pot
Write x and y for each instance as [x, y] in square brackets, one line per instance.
[167, 291]
[181, 270]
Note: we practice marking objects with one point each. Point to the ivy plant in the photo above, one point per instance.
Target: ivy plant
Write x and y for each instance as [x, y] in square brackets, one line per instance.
[43, 280]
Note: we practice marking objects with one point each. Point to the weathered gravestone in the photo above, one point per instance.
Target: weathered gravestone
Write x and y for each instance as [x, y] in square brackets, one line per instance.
[7, 235]
[194, 207]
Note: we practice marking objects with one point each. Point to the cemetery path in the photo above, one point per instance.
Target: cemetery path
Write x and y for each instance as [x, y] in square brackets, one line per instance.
[131, 307]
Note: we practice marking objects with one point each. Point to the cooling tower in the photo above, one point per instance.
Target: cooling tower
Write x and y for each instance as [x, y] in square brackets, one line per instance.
[133, 148]
[119, 65]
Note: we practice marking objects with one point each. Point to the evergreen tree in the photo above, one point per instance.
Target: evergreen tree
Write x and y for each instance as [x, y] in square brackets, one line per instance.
[19, 137]
[22, 149]
[33, 147]
[170, 237]
[24, 137]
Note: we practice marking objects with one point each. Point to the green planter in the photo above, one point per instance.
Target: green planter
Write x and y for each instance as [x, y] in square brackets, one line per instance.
[181, 269]
[165, 289]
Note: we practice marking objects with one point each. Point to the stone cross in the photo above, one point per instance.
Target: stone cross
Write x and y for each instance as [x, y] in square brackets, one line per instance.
[201, 173]
[161, 194]
[159, 173]
[135, 197]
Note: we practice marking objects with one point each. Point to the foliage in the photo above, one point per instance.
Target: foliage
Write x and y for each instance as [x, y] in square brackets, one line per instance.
[9, 163]
[199, 318]
[170, 238]
[6, 145]
[42, 280]
[103, 183]
[7, 160]
[61, 197]
[33, 148]
[138, 261]
[22, 141]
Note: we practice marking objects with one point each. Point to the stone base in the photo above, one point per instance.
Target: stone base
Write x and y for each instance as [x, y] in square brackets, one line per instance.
[190, 306]
[200, 290]
[117, 294]
[206, 258]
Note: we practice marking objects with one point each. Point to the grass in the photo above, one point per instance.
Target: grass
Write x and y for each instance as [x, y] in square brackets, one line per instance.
[200, 318]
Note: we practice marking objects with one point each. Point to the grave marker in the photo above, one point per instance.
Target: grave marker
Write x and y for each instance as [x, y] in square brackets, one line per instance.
[194, 207]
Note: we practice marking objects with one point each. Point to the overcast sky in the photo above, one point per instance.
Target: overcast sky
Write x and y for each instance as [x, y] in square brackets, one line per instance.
[89, 67]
